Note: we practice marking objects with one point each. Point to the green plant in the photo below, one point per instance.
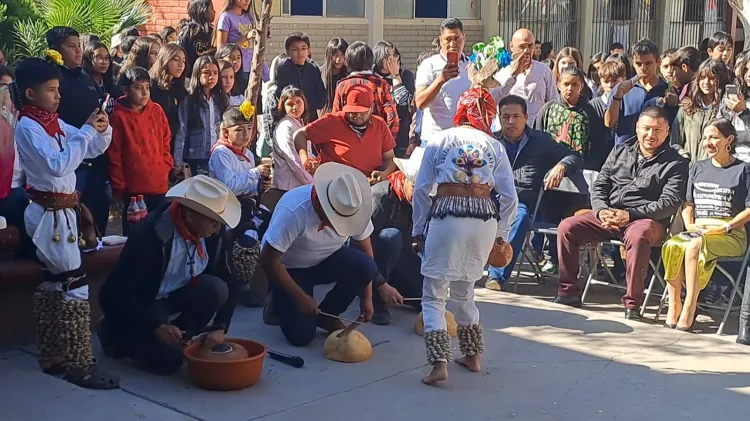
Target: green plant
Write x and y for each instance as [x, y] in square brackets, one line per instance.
[11, 11]
[103, 18]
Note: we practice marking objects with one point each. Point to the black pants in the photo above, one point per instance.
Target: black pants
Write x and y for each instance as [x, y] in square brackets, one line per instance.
[153, 201]
[12, 208]
[349, 268]
[400, 268]
[198, 302]
[93, 183]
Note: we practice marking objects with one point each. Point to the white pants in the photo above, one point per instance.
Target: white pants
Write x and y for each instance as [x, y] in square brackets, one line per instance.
[434, 296]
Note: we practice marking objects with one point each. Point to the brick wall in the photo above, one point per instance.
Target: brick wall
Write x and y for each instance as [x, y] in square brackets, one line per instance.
[413, 36]
[166, 13]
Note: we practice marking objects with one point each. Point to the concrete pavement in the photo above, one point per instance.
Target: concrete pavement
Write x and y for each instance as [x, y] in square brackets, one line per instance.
[543, 362]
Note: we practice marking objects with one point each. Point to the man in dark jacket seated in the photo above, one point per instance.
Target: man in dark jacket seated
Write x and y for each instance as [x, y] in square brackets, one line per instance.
[640, 187]
[533, 154]
[176, 261]
[391, 239]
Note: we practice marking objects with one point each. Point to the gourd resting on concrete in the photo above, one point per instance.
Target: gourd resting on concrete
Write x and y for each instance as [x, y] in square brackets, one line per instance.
[353, 347]
[450, 320]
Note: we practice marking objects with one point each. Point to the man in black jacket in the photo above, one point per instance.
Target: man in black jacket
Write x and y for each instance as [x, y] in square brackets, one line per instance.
[532, 154]
[640, 187]
[176, 261]
[79, 96]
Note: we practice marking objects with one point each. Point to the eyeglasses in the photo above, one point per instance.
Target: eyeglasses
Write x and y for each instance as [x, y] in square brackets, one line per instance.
[102, 59]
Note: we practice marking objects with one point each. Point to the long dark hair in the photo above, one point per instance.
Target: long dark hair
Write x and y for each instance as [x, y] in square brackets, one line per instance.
[334, 45]
[239, 78]
[291, 91]
[159, 74]
[89, 53]
[197, 9]
[695, 99]
[139, 55]
[726, 128]
[567, 52]
[381, 53]
[195, 91]
[593, 73]
[740, 69]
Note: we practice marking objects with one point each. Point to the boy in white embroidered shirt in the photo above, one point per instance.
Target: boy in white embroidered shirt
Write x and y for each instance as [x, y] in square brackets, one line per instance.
[50, 152]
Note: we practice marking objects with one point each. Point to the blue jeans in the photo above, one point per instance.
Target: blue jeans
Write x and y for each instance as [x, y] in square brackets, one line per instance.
[400, 267]
[351, 270]
[12, 208]
[96, 193]
[518, 232]
[386, 247]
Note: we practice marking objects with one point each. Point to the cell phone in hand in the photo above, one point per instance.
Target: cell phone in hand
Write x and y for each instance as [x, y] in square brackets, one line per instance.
[732, 90]
[104, 104]
[453, 57]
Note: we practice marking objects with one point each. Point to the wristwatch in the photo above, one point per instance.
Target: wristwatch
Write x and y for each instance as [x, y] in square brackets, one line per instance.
[728, 228]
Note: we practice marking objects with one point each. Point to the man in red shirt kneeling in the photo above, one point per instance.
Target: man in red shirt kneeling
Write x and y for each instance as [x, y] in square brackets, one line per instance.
[353, 137]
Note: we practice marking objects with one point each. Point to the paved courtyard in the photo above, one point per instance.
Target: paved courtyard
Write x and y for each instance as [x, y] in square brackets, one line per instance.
[543, 362]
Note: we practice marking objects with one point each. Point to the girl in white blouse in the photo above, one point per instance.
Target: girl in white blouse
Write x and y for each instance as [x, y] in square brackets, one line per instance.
[288, 170]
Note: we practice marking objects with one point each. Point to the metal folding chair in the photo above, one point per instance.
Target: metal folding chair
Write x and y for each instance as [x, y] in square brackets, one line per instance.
[577, 184]
[736, 281]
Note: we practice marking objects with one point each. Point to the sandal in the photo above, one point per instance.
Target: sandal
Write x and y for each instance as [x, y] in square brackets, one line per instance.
[55, 369]
[92, 378]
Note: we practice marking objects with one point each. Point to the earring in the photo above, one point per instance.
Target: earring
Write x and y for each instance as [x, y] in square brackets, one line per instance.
[729, 148]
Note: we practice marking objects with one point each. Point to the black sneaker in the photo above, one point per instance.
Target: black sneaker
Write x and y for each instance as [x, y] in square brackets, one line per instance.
[711, 295]
[269, 313]
[382, 317]
[569, 300]
[633, 314]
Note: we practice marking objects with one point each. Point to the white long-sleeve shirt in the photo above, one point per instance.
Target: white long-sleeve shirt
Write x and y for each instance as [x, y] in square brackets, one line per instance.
[50, 169]
[288, 171]
[537, 86]
[240, 176]
[443, 160]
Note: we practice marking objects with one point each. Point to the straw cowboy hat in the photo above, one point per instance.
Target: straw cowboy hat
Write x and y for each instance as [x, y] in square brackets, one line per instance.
[345, 197]
[410, 166]
[208, 197]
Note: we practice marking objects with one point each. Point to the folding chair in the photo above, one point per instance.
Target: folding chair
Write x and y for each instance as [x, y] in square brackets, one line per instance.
[577, 184]
[735, 281]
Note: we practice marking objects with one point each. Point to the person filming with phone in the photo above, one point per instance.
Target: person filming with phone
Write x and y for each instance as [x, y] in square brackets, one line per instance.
[441, 79]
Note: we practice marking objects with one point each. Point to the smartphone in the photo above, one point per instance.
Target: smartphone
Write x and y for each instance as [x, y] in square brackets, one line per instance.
[104, 104]
[689, 235]
[732, 90]
[453, 57]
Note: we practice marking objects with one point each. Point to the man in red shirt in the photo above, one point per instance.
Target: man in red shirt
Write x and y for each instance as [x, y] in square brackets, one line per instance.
[352, 136]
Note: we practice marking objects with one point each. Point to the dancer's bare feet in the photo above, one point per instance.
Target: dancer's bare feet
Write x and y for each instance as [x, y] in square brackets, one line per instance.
[439, 373]
[472, 362]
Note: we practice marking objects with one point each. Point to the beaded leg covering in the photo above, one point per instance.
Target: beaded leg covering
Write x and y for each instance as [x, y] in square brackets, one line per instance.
[438, 346]
[47, 305]
[471, 339]
[245, 261]
[75, 334]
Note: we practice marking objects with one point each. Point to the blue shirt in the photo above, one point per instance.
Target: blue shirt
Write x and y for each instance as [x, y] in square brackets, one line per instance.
[177, 275]
[511, 148]
[635, 101]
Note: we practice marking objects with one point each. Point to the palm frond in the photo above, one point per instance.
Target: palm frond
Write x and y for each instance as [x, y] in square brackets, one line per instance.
[29, 38]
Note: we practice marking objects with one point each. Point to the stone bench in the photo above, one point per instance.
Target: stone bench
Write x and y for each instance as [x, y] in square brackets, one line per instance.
[19, 278]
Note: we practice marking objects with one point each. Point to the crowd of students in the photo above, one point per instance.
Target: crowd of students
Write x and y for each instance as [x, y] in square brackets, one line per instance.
[97, 125]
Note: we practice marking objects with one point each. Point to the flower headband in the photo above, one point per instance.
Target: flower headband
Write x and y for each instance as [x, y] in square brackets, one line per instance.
[247, 109]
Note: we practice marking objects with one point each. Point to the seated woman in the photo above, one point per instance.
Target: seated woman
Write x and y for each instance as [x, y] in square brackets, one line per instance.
[391, 237]
[176, 261]
[716, 210]
[233, 164]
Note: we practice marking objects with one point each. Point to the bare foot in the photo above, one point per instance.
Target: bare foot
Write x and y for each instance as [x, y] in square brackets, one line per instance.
[471, 362]
[439, 373]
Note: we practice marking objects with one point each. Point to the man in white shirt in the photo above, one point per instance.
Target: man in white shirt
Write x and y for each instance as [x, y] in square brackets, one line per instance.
[524, 77]
[304, 246]
[439, 84]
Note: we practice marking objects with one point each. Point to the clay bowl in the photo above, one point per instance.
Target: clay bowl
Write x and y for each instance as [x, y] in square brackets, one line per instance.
[226, 375]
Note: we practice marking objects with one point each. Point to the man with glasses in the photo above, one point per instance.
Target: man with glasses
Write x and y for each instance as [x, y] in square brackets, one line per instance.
[532, 154]
[300, 71]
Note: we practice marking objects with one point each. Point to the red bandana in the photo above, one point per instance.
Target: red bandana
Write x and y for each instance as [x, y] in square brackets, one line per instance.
[178, 217]
[477, 108]
[240, 152]
[49, 121]
[397, 180]
[318, 208]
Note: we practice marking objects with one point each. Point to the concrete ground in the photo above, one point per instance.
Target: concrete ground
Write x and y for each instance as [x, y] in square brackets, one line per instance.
[543, 362]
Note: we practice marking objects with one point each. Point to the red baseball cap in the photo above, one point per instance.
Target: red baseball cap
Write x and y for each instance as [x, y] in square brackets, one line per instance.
[358, 99]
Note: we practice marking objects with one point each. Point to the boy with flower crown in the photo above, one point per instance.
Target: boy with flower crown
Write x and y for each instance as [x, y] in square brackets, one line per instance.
[50, 151]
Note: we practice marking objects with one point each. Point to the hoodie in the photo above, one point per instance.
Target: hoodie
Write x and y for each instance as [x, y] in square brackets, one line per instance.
[140, 157]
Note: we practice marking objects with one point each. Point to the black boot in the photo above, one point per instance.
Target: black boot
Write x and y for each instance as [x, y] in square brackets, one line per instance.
[382, 316]
[743, 336]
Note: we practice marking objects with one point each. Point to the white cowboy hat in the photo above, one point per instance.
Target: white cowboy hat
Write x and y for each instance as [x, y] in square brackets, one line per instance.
[410, 166]
[345, 197]
[209, 197]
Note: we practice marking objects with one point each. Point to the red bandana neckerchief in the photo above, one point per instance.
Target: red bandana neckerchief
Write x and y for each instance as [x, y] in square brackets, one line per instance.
[49, 121]
[240, 152]
[397, 180]
[318, 208]
[476, 107]
[178, 217]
